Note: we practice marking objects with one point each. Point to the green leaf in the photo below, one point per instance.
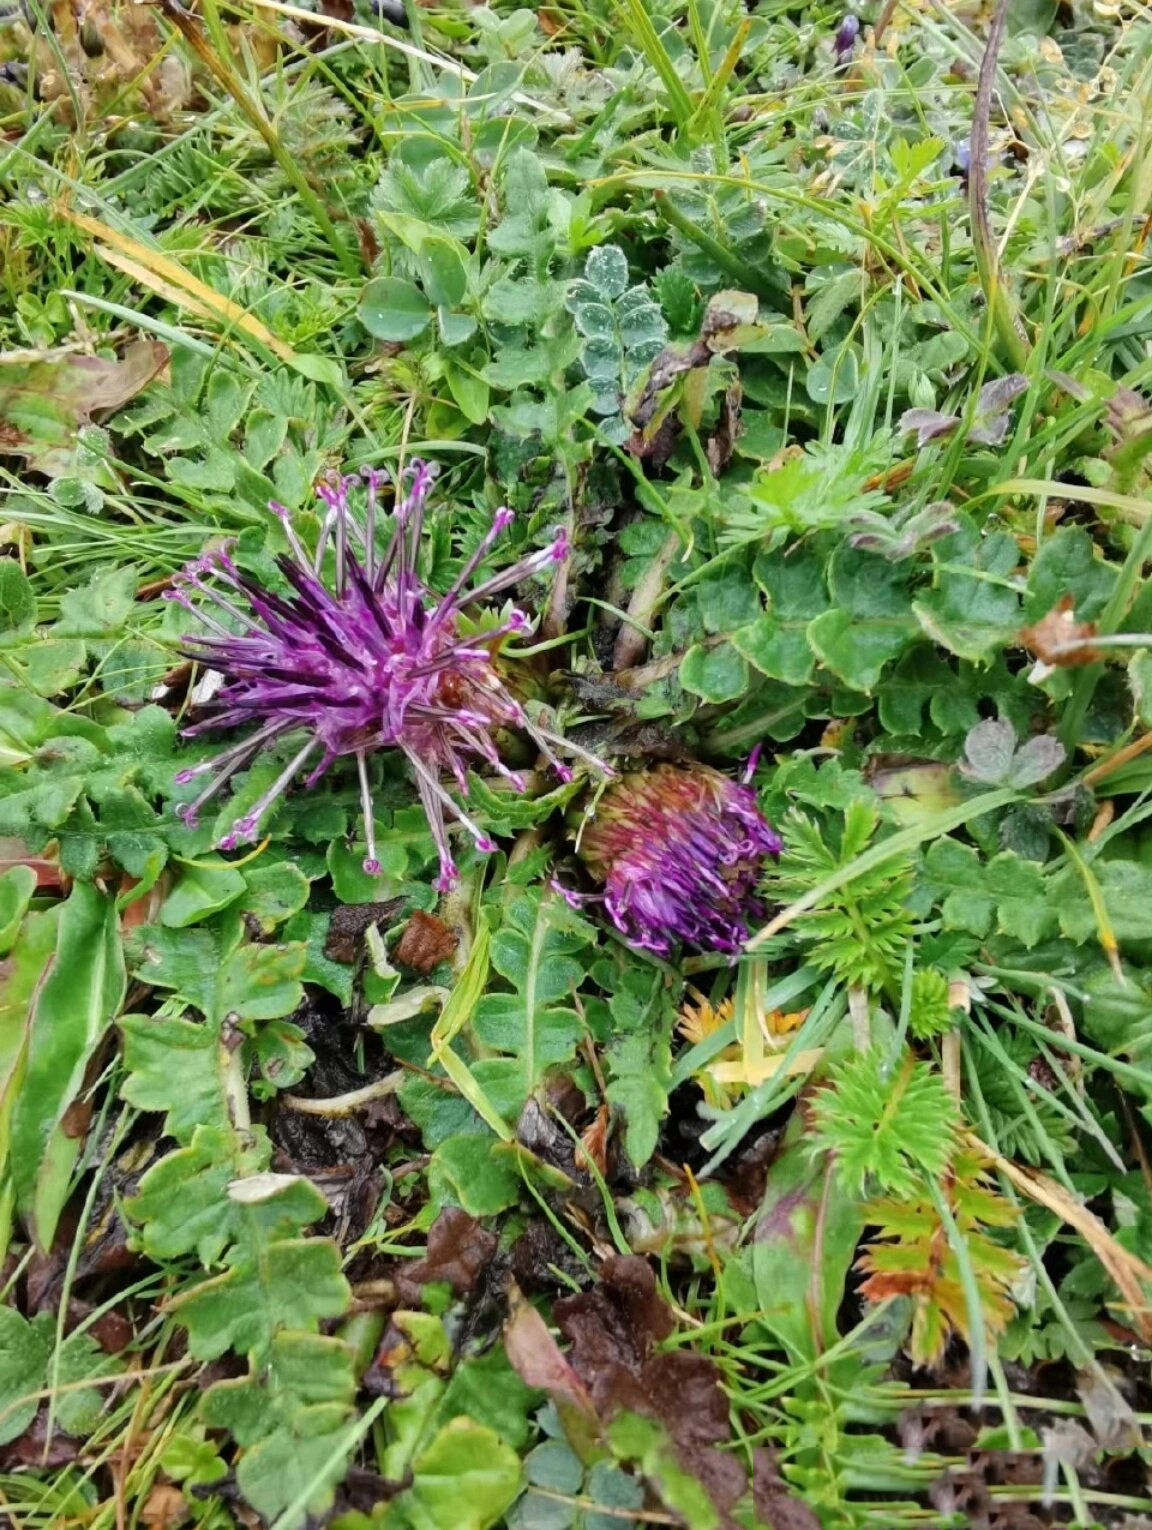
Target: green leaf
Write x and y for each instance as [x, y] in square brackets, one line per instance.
[183, 1203]
[834, 377]
[17, 886]
[200, 891]
[972, 614]
[17, 601]
[443, 270]
[869, 623]
[99, 608]
[176, 1066]
[727, 600]
[297, 1283]
[79, 1409]
[470, 392]
[304, 1462]
[1006, 893]
[640, 1076]
[538, 949]
[182, 1200]
[53, 665]
[606, 269]
[275, 893]
[465, 1480]
[1126, 889]
[78, 999]
[1068, 563]
[857, 651]
[25, 1349]
[319, 369]
[393, 309]
[803, 1248]
[474, 1172]
[714, 674]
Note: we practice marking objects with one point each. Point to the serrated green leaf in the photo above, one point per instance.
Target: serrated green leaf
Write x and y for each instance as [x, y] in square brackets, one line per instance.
[182, 1199]
[777, 649]
[24, 1352]
[297, 1283]
[176, 1066]
[1006, 893]
[640, 1076]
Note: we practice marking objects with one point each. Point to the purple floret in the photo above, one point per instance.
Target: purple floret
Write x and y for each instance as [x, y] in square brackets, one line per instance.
[374, 661]
[846, 35]
[680, 852]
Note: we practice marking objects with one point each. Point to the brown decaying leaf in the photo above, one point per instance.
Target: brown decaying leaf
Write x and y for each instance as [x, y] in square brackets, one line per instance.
[424, 943]
[614, 1330]
[1058, 640]
[349, 923]
[109, 47]
[459, 1250]
[164, 1508]
[47, 396]
[539, 1362]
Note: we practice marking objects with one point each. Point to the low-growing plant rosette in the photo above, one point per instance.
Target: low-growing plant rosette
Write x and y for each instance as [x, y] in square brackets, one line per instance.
[361, 656]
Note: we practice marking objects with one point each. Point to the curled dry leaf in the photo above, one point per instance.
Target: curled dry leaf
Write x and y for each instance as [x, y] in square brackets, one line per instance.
[1059, 641]
[424, 943]
[46, 397]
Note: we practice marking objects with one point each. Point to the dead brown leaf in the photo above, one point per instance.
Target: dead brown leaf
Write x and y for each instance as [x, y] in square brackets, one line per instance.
[614, 1330]
[164, 1508]
[1058, 640]
[46, 397]
[424, 943]
[459, 1250]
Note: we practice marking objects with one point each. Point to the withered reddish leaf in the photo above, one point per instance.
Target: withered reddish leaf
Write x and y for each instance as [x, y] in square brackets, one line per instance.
[45, 398]
[458, 1251]
[424, 943]
[614, 1330]
[538, 1360]
[1050, 637]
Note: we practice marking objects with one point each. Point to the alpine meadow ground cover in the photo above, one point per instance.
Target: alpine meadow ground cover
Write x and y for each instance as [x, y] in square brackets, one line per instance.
[575, 703]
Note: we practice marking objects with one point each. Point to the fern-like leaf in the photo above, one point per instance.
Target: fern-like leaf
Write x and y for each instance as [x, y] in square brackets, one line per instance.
[861, 931]
[912, 1257]
[888, 1127]
[930, 1012]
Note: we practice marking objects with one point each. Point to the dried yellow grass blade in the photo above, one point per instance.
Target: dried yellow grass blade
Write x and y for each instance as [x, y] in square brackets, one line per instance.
[759, 1071]
[167, 278]
[1128, 1272]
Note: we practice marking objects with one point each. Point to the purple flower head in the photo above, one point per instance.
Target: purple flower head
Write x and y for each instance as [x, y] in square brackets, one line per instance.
[679, 851]
[369, 659]
[845, 41]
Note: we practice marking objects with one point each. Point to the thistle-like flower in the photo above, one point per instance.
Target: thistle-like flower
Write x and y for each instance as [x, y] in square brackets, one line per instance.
[679, 851]
[368, 660]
